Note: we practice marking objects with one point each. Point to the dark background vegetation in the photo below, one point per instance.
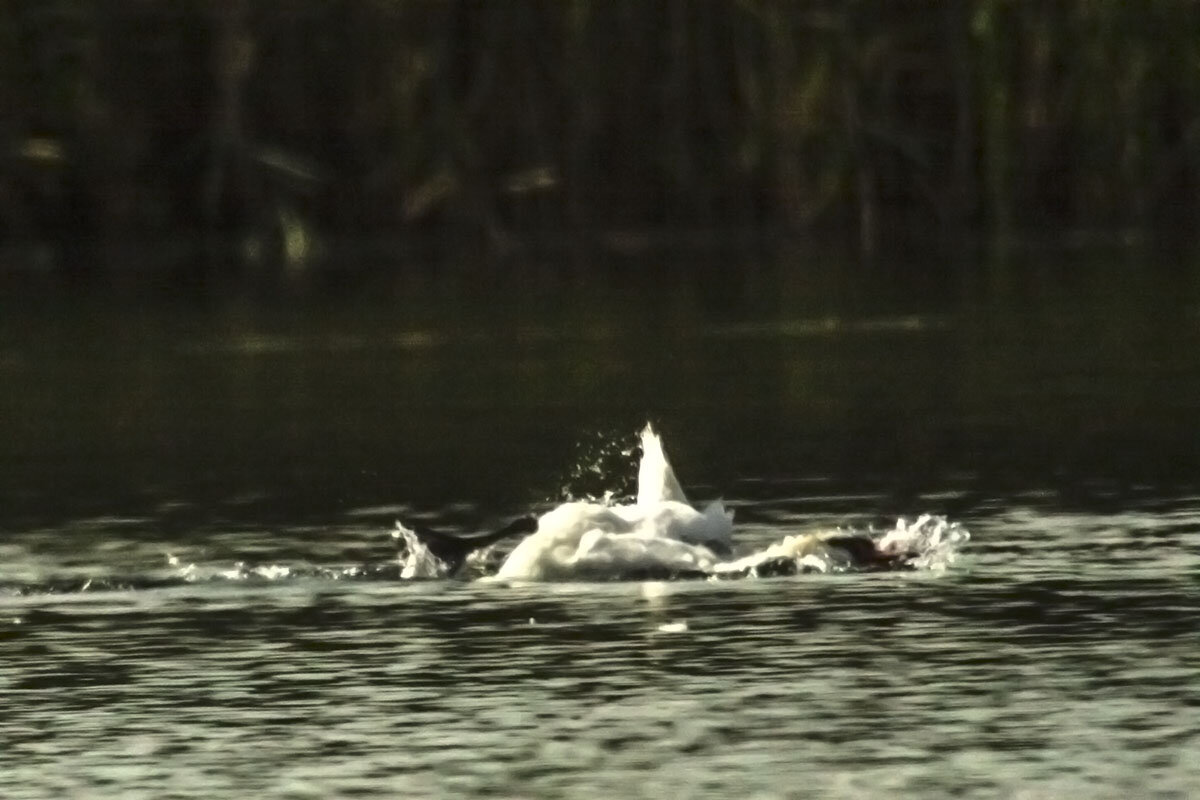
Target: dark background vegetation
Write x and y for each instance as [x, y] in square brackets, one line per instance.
[286, 126]
[351, 250]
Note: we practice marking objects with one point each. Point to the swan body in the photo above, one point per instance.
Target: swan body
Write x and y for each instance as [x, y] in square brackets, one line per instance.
[591, 539]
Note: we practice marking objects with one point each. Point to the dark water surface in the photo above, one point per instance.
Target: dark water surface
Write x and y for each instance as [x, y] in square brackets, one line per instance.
[199, 597]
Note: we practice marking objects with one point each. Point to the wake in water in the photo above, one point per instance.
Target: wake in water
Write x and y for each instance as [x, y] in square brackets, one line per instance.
[662, 536]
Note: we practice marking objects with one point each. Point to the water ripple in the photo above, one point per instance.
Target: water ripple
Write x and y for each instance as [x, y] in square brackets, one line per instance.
[1056, 659]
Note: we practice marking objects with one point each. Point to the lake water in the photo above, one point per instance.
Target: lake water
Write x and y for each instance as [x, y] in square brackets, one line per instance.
[199, 595]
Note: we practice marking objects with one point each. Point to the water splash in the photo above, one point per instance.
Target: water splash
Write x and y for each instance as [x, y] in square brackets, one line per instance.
[241, 571]
[931, 543]
[600, 470]
[792, 555]
[934, 539]
[485, 561]
[267, 572]
[416, 561]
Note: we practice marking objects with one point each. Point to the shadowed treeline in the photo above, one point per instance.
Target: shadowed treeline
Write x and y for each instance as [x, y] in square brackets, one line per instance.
[283, 123]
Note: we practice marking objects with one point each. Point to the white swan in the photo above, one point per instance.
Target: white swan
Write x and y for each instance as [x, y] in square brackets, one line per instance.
[662, 535]
[660, 531]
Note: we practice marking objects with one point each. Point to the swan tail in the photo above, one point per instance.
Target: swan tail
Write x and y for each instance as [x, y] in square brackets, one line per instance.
[656, 479]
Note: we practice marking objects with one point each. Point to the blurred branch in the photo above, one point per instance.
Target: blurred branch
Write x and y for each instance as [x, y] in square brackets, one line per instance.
[496, 122]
